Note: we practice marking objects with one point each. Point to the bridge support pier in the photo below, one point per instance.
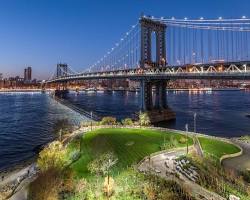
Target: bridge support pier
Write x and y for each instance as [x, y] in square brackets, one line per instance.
[61, 90]
[155, 105]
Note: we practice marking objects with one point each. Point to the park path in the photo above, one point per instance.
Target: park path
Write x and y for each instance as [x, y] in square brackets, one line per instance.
[156, 164]
[242, 162]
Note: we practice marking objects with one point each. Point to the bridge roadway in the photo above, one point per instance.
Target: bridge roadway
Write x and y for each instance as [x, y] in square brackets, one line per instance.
[231, 71]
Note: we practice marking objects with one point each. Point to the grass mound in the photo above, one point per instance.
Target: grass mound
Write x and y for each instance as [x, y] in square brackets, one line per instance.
[217, 148]
[129, 145]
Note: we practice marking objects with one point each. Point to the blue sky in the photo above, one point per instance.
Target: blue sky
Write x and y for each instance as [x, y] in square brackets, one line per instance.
[41, 33]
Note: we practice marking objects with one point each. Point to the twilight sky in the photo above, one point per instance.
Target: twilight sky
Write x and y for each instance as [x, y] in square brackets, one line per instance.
[42, 33]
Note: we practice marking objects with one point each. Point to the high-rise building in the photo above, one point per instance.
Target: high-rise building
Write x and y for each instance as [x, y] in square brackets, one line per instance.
[1, 76]
[28, 74]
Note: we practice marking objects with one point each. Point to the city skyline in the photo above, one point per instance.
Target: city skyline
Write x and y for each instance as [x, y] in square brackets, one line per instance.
[43, 34]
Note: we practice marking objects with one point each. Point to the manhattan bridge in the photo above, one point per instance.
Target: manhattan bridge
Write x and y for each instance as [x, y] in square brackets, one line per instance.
[156, 50]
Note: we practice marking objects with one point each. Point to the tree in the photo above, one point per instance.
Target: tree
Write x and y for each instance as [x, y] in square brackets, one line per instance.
[102, 164]
[108, 121]
[127, 122]
[108, 186]
[144, 119]
[53, 156]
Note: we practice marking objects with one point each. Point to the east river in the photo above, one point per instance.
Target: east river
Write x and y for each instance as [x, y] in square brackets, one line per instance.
[27, 119]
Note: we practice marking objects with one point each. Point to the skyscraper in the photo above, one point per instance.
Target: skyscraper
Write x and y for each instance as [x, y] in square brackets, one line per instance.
[28, 74]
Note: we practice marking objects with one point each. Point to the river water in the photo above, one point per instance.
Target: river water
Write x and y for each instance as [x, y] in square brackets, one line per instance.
[27, 122]
[27, 119]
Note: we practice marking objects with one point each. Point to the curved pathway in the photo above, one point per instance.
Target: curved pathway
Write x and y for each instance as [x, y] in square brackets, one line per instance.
[156, 164]
[242, 162]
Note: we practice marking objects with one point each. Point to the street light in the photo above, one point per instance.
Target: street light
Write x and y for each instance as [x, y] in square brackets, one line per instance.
[195, 115]
[186, 127]
[91, 116]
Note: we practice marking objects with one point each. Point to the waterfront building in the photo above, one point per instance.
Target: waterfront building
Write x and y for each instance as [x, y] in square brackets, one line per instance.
[27, 75]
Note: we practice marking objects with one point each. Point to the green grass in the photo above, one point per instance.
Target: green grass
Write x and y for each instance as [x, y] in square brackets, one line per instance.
[217, 148]
[129, 145]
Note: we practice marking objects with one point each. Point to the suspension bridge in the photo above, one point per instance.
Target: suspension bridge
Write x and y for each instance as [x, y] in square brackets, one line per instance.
[156, 50]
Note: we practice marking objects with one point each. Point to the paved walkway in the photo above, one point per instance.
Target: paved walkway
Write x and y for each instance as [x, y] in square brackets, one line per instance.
[156, 164]
[19, 180]
[17, 175]
[241, 162]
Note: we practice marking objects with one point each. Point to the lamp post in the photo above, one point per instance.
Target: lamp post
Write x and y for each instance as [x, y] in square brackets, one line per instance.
[186, 127]
[195, 115]
[91, 116]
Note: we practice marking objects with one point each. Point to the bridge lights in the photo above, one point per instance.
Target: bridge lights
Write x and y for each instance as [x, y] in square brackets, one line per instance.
[201, 18]
[220, 68]
[220, 18]
[244, 17]
[185, 18]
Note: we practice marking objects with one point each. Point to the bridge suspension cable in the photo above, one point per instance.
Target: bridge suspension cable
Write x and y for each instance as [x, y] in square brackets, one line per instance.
[207, 41]
[124, 54]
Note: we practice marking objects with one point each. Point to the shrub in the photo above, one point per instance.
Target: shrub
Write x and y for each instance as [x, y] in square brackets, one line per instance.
[183, 140]
[108, 121]
[144, 119]
[246, 176]
[127, 122]
[46, 186]
[52, 157]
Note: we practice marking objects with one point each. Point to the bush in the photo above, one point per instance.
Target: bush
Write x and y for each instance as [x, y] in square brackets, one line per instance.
[108, 121]
[183, 140]
[144, 119]
[127, 122]
[52, 156]
[46, 186]
[246, 176]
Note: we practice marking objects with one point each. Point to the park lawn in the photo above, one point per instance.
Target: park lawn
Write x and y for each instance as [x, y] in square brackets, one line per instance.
[129, 145]
[217, 148]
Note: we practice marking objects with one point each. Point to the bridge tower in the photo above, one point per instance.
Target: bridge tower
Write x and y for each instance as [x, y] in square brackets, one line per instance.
[61, 70]
[61, 87]
[155, 105]
[148, 27]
